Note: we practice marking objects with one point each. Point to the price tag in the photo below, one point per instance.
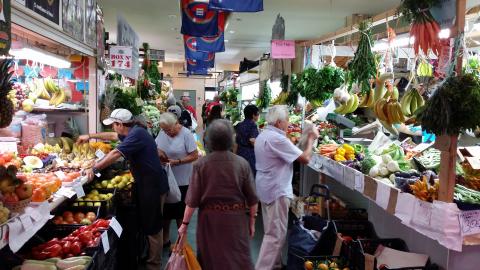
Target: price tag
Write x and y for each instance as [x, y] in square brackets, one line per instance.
[105, 243]
[100, 154]
[66, 192]
[60, 174]
[7, 147]
[383, 195]
[422, 213]
[349, 177]
[359, 182]
[116, 226]
[470, 222]
[79, 190]
[35, 214]
[26, 222]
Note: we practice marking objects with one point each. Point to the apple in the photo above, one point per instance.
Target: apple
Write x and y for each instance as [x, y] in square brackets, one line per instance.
[6, 186]
[67, 214]
[10, 198]
[24, 191]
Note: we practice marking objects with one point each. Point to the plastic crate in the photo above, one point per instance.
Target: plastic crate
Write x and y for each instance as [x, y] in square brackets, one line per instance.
[62, 230]
[297, 261]
[107, 207]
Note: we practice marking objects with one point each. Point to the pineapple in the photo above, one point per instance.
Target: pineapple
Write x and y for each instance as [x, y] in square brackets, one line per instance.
[6, 84]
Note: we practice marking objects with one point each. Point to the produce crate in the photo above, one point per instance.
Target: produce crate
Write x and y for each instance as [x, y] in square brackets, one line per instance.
[107, 207]
[62, 230]
[297, 261]
[338, 236]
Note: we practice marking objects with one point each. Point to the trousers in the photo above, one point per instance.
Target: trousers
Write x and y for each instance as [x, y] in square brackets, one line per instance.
[155, 250]
[275, 222]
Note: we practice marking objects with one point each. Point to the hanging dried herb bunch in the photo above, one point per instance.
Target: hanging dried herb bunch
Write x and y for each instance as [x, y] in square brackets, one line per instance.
[454, 107]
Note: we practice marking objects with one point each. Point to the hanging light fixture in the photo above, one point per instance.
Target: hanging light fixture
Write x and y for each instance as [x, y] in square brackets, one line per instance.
[36, 55]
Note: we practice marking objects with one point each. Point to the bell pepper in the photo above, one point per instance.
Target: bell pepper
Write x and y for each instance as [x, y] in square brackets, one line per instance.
[350, 156]
[341, 151]
[338, 157]
[348, 149]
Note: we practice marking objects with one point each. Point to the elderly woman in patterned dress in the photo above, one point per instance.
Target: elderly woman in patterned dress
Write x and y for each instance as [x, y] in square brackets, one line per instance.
[222, 187]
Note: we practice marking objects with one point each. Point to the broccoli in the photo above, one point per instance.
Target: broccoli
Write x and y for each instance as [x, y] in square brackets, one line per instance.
[367, 163]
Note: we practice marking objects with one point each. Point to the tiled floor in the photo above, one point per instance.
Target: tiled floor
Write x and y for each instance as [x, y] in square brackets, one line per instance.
[254, 244]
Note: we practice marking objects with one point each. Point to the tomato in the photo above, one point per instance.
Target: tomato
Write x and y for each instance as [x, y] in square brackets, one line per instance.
[91, 243]
[66, 247]
[76, 248]
[101, 223]
[97, 234]
[52, 242]
[54, 250]
[85, 237]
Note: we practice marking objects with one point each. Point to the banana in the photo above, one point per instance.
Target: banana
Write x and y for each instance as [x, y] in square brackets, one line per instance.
[58, 98]
[370, 99]
[406, 103]
[355, 103]
[380, 109]
[391, 116]
[399, 113]
[380, 85]
[364, 101]
[340, 109]
[420, 100]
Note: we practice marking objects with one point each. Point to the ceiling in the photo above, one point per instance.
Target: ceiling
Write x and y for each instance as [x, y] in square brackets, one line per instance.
[158, 22]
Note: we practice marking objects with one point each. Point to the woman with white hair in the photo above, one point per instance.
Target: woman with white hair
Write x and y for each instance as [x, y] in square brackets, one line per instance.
[275, 154]
[176, 146]
[222, 188]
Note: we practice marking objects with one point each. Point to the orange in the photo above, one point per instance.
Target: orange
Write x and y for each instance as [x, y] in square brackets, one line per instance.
[39, 195]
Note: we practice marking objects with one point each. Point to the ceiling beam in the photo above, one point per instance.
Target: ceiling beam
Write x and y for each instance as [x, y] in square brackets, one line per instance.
[345, 31]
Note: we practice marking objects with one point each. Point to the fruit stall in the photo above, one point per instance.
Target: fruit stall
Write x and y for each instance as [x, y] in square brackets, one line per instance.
[397, 139]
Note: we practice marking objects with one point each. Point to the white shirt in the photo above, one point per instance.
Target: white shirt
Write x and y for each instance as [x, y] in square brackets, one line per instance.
[275, 155]
[178, 147]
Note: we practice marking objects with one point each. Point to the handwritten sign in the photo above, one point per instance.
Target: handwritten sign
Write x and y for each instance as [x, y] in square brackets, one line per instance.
[422, 213]
[121, 57]
[283, 49]
[383, 195]
[105, 243]
[470, 222]
[116, 226]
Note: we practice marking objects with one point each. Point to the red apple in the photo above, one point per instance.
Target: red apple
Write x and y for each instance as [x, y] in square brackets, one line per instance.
[10, 198]
[24, 191]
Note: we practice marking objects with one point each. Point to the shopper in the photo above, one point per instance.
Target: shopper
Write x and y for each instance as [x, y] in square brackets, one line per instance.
[151, 183]
[221, 187]
[215, 102]
[183, 115]
[246, 134]
[186, 104]
[275, 155]
[204, 113]
[215, 113]
[176, 146]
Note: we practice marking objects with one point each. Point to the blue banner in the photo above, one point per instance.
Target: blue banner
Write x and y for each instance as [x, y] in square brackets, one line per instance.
[198, 20]
[193, 65]
[237, 5]
[191, 49]
[216, 43]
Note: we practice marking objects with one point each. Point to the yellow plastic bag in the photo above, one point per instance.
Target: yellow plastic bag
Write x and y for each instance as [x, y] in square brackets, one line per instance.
[192, 263]
[182, 257]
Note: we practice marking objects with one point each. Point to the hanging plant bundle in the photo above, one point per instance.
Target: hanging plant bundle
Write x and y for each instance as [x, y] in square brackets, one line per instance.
[454, 107]
[424, 27]
[265, 96]
[363, 67]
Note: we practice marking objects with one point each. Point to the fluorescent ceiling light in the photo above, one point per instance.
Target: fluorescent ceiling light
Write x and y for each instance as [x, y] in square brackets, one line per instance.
[40, 57]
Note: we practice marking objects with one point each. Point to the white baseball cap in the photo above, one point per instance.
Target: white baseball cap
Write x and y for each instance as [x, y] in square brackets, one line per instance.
[119, 116]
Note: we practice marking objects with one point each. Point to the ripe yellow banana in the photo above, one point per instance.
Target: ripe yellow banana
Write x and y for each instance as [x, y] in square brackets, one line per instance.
[380, 109]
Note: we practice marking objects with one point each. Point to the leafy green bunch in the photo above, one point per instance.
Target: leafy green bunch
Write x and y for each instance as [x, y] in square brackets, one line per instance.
[416, 10]
[318, 85]
[454, 107]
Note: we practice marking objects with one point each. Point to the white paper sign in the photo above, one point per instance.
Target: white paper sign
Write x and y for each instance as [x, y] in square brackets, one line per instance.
[79, 190]
[35, 214]
[8, 147]
[116, 226]
[105, 243]
[66, 192]
[349, 177]
[60, 174]
[99, 154]
[404, 207]
[422, 213]
[470, 222]
[26, 222]
[121, 57]
[359, 182]
[383, 195]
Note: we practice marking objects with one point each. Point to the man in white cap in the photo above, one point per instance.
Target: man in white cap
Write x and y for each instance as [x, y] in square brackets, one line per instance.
[151, 182]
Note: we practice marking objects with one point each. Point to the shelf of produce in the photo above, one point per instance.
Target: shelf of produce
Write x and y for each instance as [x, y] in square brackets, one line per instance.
[60, 111]
[34, 217]
[440, 221]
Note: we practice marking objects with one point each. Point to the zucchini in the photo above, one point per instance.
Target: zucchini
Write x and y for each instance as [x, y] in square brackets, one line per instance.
[37, 266]
[67, 264]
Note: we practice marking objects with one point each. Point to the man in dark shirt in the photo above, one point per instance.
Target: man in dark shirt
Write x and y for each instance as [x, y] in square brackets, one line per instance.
[247, 131]
[151, 182]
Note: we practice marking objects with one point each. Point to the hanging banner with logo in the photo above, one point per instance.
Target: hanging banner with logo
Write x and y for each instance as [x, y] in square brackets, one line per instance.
[126, 36]
[198, 20]
[191, 51]
[445, 13]
[215, 43]
[236, 5]
[49, 9]
[283, 49]
[5, 27]
[121, 57]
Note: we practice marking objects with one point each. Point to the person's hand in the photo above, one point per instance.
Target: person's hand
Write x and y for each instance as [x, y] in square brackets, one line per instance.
[314, 134]
[252, 227]
[83, 138]
[174, 162]
[182, 230]
[90, 175]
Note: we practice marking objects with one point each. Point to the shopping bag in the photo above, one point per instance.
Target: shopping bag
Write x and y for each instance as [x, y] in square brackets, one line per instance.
[174, 195]
[192, 262]
[182, 257]
[177, 261]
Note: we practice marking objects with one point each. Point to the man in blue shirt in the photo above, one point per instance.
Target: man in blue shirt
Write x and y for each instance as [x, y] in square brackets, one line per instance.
[151, 182]
[246, 133]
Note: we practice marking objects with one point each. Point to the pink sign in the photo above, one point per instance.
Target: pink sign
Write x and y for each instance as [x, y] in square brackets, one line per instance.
[283, 49]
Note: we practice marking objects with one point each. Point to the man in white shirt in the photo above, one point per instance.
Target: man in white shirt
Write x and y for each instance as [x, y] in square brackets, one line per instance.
[275, 155]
